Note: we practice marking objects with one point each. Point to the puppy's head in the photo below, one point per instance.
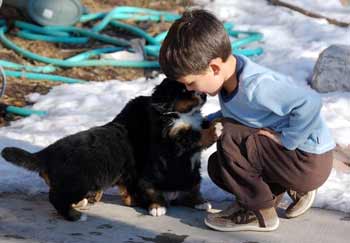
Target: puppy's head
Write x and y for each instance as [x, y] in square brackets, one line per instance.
[172, 96]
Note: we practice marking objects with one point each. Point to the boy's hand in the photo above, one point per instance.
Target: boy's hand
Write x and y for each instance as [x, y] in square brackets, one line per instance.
[272, 135]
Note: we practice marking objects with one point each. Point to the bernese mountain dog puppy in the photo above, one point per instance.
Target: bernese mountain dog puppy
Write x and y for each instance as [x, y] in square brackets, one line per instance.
[151, 151]
[79, 166]
[167, 133]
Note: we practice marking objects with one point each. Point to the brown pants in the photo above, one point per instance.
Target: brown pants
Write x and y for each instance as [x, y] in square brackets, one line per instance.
[256, 169]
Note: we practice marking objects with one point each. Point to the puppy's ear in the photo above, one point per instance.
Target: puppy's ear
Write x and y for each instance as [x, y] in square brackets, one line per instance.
[164, 87]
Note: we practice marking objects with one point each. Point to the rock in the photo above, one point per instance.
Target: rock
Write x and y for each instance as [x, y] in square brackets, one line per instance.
[332, 70]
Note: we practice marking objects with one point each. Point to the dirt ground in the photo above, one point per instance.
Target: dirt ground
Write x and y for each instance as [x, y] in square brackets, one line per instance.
[18, 88]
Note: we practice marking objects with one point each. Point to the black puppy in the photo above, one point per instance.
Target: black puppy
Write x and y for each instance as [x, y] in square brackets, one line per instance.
[80, 164]
[167, 133]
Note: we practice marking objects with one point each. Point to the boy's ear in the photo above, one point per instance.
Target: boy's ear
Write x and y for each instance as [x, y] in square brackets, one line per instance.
[215, 65]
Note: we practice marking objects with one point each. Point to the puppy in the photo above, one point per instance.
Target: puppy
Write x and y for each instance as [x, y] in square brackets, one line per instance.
[167, 133]
[80, 165]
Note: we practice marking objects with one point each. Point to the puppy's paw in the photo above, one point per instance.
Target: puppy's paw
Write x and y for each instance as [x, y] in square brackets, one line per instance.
[206, 206]
[157, 210]
[210, 135]
[218, 129]
[82, 204]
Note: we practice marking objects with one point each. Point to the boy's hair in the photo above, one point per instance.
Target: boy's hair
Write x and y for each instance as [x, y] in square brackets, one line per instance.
[192, 42]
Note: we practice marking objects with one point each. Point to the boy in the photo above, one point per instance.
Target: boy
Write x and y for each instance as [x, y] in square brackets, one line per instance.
[274, 139]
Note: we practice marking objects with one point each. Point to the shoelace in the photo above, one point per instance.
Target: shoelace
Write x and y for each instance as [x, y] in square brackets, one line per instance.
[242, 216]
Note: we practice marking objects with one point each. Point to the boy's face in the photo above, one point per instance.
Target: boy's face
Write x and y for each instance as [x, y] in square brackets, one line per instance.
[210, 82]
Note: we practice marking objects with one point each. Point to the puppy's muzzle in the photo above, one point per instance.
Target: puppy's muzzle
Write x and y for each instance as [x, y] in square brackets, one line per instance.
[202, 97]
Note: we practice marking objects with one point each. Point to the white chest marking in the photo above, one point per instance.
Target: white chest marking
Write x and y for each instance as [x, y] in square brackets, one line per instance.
[189, 119]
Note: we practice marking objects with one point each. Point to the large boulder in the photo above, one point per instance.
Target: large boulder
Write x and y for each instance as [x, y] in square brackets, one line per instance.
[332, 70]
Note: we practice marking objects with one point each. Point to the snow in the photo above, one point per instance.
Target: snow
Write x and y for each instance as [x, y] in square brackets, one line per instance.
[292, 43]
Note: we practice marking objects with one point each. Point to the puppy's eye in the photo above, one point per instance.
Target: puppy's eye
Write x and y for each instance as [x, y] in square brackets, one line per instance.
[183, 91]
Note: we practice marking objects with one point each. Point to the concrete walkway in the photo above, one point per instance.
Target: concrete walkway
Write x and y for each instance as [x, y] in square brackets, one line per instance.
[26, 218]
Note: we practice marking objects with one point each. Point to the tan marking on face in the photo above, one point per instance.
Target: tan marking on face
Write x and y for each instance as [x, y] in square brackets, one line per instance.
[184, 106]
[176, 129]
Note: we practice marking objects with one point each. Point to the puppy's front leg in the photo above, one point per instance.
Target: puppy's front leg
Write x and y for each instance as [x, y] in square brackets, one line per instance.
[211, 134]
[157, 205]
[154, 199]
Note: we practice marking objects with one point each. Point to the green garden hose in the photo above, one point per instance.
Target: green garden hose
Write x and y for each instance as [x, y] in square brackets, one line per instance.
[75, 35]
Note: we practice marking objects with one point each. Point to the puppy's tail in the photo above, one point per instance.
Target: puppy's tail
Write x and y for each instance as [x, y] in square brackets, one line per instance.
[22, 158]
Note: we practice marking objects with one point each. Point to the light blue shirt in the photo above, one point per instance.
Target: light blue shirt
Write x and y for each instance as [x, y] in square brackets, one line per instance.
[267, 99]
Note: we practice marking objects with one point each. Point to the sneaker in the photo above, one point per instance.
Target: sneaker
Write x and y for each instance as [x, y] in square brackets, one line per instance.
[226, 212]
[242, 219]
[301, 203]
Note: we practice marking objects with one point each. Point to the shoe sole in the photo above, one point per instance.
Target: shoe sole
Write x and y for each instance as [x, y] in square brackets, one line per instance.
[289, 216]
[243, 227]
